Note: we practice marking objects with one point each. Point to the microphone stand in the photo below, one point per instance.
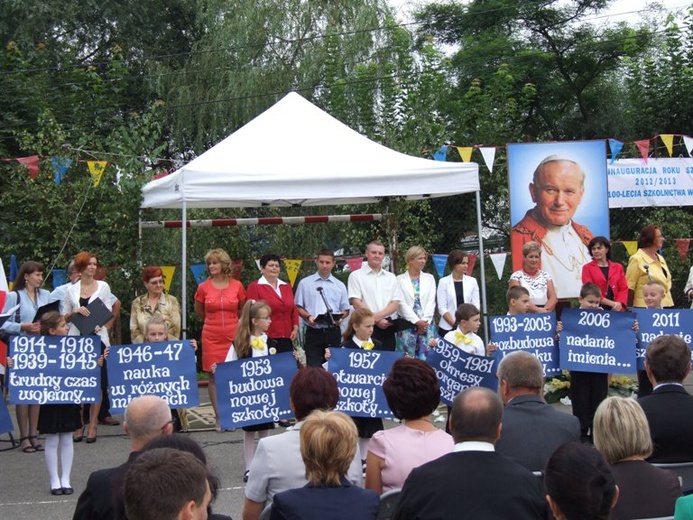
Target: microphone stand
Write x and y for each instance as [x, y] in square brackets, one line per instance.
[327, 306]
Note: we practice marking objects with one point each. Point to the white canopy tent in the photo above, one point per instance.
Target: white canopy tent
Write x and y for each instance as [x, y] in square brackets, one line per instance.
[295, 154]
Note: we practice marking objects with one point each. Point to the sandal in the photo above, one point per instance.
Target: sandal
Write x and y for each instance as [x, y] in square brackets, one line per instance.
[33, 439]
[29, 448]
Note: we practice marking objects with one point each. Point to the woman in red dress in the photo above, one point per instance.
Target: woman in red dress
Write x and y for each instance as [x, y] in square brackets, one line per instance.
[218, 301]
[607, 275]
[280, 298]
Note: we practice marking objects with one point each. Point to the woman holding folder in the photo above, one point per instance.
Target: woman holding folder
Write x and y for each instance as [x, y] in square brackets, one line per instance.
[77, 297]
[26, 293]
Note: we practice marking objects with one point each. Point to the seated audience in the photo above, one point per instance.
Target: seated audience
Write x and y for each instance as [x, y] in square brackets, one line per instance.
[622, 436]
[669, 409]
[532, 429]
[412, 392]
[277, 465]
[579, 484]
[166, 484]
[474, 481]
[328, 446]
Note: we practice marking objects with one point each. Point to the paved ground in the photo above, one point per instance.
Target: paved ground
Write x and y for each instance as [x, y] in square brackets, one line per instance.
[24, 485]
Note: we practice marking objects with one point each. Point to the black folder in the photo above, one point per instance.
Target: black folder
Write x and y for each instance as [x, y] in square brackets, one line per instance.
[99, 315]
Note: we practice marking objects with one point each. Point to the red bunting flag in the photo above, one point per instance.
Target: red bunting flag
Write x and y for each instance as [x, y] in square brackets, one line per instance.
[32, 164]
[472, 262]
[644, 147]
[354, 263]
[683, 244]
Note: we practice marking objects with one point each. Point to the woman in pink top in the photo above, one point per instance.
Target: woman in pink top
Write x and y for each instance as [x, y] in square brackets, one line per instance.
[217, 302]
[412, 392]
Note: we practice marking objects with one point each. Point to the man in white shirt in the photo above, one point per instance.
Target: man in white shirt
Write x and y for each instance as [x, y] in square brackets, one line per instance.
[557, 189]
[376, 289]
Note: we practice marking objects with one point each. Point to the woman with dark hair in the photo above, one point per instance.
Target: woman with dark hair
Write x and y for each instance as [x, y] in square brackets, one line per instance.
[579, 484]
[27, 293]
[280, 298]
[154, 301]
[454, 290]
[80, 294]
[605, 274]
[622, 436]
[647, 265]
[412, 392]
[218, 301]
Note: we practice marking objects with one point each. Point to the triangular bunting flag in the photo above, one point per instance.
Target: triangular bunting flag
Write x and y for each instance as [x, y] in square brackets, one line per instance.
[4, 289]
[441, 154]
[644, 147]
[498, 260]
[668, 140]
[354, 263]
[439, 262]
[683, 244]
[59, 277]
[32, 164]
[472, 262]
[688, 141]
[292, 267]
[465, 153]
[60, 167]
[489, 154]
[257, 263]
[631, 246]
[199, 272]
[168, 272]
[615, 146]
[96, 169]
[14, 270]
[236, 268]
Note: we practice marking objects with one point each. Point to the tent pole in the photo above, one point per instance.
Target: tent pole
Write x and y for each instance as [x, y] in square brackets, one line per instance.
[184, 274]
[484, 310]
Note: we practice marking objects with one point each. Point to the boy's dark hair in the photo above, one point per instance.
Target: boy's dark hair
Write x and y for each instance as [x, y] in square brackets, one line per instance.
[515, 293]
[590, 289]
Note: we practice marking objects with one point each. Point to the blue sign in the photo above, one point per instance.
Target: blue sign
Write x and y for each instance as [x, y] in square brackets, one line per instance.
[597, 341]
[165, 369]
[54, 370]
[360, 375]
[457, 370]
[254, 390]
[5, 419]
[658, 322]
[533, 333]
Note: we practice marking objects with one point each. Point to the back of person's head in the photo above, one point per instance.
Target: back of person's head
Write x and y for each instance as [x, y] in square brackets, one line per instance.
[328, 445]
[313, 388]
[579, 483]
[590, 289]
[466, 311]
[476, 415]
[668, 359]
[162, 483]
[522, 372]
[147, 417]
[411, 389]
[515, 293]
[621, 430]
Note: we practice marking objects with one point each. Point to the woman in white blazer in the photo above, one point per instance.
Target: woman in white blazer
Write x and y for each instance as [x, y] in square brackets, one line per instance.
[418, 304]
[455, 289]
[77, 297]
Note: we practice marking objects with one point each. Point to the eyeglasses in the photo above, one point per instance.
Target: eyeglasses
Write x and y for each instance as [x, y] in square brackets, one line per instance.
[165, 425]
[156, 282]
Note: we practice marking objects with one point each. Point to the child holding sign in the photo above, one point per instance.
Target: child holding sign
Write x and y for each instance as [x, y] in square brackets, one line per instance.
[653, 294]
[251, 341]
[465, 337]
[518, 300]
[358, 335]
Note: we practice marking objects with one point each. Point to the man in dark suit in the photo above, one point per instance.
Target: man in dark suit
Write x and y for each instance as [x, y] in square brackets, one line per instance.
[146, 418]
[473, 482]
[669, 409]
[532, 429]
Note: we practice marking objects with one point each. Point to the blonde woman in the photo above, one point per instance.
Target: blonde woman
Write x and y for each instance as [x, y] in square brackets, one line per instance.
[328, 445]
[622, 436]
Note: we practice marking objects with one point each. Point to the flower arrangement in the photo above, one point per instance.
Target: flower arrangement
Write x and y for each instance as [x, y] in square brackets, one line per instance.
[623, 386]
[556, 388]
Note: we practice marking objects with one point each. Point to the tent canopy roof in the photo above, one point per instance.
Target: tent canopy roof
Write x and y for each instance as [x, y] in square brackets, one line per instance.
[296, 154]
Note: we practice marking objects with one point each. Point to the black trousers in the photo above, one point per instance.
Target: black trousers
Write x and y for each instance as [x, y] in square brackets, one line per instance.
[386, 337]
[587, 390]
[317, 340]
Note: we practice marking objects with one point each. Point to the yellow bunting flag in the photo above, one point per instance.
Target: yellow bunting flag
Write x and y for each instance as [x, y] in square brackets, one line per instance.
[668, 140]
[631, 246]
[292, 267]
[168, 271]
[96, 168]
[465, 153]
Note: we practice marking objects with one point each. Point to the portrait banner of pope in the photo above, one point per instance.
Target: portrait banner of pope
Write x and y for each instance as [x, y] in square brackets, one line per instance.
[559, 199]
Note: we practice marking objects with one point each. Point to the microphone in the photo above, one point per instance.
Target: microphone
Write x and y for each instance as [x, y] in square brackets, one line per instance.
[319, 289]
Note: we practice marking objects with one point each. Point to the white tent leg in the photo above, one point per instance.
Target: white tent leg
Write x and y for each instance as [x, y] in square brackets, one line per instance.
[184, 274]
[484, 303]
